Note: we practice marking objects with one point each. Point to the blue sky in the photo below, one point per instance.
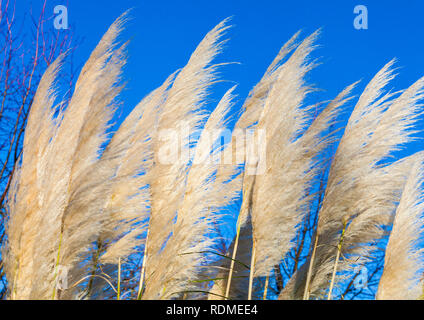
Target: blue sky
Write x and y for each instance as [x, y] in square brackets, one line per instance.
[164, 33]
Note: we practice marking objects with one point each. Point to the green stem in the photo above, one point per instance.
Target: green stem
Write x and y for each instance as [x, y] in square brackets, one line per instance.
[119, 280]
[143, 269]
[252, 270]
[57, 265]
[230, 273]
[266, 287]
[95, 264]
[339, 249]
[309, 275]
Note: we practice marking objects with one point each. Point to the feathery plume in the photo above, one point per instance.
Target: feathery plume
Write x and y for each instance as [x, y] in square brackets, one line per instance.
[183, 253]
[402, 274]
[361, 190]
[67, 216]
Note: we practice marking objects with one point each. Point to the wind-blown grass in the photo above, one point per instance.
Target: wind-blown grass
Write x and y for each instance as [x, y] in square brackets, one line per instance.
[83, 201]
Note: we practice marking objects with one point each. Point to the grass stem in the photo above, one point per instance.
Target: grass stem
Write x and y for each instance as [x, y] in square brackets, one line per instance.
[118, 295]
[266, 287]
[309, 275]
[339, 249]
[143, 269]
[230, 273]
[252, 271]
